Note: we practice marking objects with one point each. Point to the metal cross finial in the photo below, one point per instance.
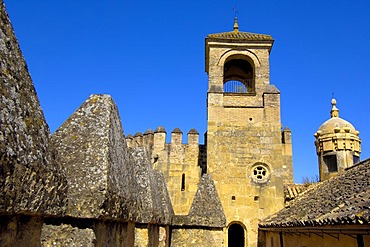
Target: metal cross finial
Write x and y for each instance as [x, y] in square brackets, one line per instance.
[235, 10]
[236, 25]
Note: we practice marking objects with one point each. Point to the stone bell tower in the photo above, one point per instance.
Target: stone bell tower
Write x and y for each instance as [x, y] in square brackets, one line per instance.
[337, 144]
[249, 156]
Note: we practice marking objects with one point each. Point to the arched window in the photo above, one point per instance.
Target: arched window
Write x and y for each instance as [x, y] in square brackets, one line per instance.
[238, 76]
[236, 235]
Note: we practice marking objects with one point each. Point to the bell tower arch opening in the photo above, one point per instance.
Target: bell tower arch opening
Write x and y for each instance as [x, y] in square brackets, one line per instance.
[238, 75]
[236, 236]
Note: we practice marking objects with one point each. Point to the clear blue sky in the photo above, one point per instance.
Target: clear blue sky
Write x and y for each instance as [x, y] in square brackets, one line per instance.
[149, 55]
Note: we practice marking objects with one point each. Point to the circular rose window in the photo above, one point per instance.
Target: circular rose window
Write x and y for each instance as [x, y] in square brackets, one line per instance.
[260, 173]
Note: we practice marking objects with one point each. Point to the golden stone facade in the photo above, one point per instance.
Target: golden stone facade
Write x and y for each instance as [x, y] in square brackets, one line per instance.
[90, 185]
[248, 155]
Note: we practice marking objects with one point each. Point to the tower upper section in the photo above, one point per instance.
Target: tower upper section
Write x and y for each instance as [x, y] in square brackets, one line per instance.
[238, 62]
[337, 144]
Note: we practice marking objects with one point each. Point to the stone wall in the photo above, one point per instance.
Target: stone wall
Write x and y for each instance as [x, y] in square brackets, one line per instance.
[81, 187]
[67, 235]
[31, 179]
[108, 179]
[88, 185]
[248, 154]
[181, 163]
[198, 237]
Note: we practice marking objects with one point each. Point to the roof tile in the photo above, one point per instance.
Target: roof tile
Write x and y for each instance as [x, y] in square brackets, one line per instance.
[240, 36]
[344, 199]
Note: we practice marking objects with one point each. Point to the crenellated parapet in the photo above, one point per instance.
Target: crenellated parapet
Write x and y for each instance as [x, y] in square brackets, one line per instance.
[156, 140]
[180, 162]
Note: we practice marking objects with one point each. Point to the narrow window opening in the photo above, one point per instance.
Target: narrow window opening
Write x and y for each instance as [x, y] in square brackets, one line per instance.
[331, 163]
[183, 182]
[256, 198]
[233, 198]
[356, 159]
[281, 239]
[360, 240]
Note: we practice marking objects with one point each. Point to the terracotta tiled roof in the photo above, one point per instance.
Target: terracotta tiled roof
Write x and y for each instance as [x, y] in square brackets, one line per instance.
[242, 36]
[344, 199]
[292, 191]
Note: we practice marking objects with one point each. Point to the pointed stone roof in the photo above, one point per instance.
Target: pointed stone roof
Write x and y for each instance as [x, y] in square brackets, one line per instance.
[206, 209]
[95, 157]
[31, 179]
[153, 203]
[107, 178]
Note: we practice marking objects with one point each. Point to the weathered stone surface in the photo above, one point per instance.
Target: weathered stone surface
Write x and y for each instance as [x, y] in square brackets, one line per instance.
[66, 235]
[141, 236]
[94, 154]
[30, 179]
[165, 205]
[105, 177]
[197, 237]
[20, 230]
[244, 137]
[179, 162]
[163, 238]
[150, 190]
[117, 234]
[206, 209]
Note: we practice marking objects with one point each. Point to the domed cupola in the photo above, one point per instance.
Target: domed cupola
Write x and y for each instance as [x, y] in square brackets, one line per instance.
[337, 144]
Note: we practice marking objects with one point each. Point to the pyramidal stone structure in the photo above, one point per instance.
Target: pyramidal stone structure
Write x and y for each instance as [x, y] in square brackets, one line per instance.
[32, 182]
[105, 178]
[31, 178]
[83, 185]
[89, 184]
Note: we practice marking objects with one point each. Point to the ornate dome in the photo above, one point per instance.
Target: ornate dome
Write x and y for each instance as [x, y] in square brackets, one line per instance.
[335, 124]
[338, 145]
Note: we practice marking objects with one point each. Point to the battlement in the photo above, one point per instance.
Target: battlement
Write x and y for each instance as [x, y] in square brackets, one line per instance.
[158, 138]
[181, 163]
